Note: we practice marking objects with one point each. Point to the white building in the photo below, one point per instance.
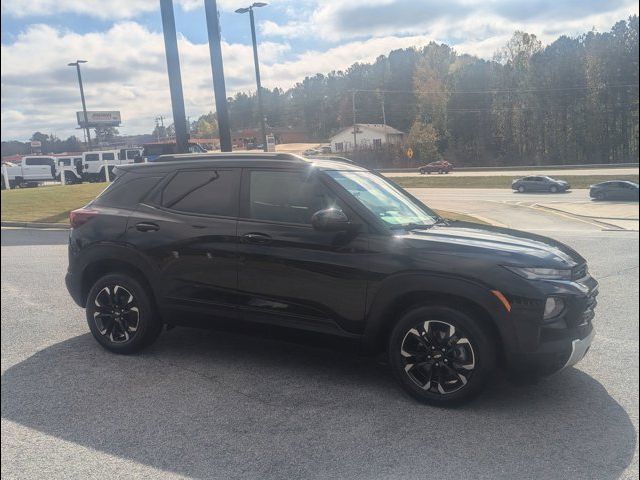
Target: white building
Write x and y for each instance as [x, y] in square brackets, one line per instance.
[368, 135]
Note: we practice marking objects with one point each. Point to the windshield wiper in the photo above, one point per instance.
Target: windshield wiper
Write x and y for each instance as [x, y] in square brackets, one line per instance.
[412, 226]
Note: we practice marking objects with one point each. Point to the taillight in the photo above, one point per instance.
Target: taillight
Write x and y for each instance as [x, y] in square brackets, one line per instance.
[81, 216]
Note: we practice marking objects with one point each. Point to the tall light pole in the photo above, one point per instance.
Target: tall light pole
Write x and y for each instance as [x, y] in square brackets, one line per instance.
[175, 79]
[84, 105]
[217, 72]
[257, 66]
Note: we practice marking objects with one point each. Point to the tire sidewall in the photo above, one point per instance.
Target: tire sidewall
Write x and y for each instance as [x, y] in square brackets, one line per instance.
[149, 325]
[483, 346]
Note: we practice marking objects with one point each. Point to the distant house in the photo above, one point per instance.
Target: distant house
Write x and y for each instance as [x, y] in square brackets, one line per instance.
[367, 135]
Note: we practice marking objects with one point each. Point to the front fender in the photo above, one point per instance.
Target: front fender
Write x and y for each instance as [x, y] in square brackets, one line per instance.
[385, 303]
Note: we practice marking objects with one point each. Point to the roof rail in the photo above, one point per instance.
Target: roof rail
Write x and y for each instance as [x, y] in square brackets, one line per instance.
[229, 156]
[330, 157]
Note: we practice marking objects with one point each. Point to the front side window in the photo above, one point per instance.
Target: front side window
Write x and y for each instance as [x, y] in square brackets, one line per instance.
[203, 192]
[92, 157]
[289, 197]
[108, 156]
[383, 199]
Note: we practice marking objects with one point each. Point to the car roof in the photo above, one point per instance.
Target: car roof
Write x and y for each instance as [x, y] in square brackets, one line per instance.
[167, 163]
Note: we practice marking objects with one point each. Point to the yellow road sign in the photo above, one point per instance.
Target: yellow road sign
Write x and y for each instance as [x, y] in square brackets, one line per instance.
[409, 153]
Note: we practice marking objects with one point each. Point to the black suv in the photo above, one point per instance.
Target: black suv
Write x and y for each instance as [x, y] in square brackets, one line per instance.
[326, 246]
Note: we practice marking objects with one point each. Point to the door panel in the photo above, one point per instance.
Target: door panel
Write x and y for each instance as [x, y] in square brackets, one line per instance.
[189, 229]
[292, 274]
[196, 257]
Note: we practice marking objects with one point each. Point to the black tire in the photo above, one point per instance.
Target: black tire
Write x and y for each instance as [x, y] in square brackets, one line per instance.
[599, 196]
[421, 172]
[473, 345]
[553, 189]
[521, 189]
[122, 332]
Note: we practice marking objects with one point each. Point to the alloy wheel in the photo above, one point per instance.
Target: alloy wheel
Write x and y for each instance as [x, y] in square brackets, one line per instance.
[116, 315]
[438, 357]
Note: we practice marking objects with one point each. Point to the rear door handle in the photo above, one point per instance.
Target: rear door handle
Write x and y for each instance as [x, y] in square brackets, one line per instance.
[147, 227]
[256, 238]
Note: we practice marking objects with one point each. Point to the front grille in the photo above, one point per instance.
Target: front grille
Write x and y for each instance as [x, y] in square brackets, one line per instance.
[579, 272]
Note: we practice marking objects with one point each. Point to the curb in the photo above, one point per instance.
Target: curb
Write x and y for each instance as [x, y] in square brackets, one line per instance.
[585, 216]
[56, 226]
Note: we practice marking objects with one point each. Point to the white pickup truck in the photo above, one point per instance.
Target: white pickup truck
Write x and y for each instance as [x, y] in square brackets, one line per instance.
[31, 171]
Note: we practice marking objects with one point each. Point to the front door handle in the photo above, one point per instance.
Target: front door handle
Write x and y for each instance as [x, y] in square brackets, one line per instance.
[147, 227]
[260, 238]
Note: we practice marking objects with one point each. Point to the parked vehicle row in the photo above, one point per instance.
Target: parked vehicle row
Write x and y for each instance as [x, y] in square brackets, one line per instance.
[326, 246]
[89, 166]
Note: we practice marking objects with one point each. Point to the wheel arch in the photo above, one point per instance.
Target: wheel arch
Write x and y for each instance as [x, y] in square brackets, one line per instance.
[411, 291]
[103, 260]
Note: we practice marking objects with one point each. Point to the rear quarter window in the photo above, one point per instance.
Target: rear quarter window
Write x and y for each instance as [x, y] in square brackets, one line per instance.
[127, 190]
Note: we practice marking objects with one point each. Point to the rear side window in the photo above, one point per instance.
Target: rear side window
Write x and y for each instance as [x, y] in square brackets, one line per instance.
[92, 157]
[108, 156]
[38, 161]
[127, 190]
[203, 192]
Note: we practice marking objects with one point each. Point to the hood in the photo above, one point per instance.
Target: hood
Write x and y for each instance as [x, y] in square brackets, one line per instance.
[494, 244]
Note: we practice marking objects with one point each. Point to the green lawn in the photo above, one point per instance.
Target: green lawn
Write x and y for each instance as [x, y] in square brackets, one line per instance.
[47, 204]
[53, 204]
[446, 181]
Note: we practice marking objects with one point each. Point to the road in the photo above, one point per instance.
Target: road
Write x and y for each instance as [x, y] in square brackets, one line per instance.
[554, 172]
[227, 405]
[540, 212]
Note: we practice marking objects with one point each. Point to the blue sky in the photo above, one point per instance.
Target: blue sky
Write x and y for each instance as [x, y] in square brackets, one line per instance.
[122, 41]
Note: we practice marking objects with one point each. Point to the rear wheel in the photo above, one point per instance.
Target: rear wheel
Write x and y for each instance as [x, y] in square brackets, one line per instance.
[440, 355]
[121, 315]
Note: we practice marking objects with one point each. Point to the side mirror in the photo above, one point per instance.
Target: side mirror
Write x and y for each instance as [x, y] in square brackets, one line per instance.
[330, 220]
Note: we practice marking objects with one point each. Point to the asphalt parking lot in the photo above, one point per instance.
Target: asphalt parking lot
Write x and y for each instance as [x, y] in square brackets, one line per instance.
[220, 404]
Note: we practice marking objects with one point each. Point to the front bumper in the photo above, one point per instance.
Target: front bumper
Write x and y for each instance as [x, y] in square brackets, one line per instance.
[545, 348]
[579, 348]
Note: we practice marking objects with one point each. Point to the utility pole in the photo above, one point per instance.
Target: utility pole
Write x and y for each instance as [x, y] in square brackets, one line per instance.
[84, 105]
[384, 117]
[217, 71]
[175, 80]
[257, 67]
[355, 126]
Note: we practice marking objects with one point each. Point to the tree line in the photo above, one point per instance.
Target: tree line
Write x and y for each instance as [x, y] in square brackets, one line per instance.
[574, 101]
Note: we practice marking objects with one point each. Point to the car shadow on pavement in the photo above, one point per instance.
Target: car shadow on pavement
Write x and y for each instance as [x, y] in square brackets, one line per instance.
[216, 404]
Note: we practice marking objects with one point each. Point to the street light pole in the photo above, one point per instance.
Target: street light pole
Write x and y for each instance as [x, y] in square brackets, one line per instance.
[257, 67]
[84, 105]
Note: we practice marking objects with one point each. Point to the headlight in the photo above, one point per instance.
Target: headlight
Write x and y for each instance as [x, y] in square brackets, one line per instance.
[553, 307]
[542, 273]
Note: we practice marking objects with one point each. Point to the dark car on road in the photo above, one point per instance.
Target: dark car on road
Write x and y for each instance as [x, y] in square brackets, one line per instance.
[441, 166]
[326, 246]
[540, 183]
[614, 190]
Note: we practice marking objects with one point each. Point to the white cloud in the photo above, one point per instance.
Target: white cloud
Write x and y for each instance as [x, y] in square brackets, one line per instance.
[103, 9]
[127, 72]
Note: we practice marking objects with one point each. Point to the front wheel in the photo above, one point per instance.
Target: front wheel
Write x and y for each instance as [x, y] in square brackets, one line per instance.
[121, 315]
[521, 189]
[440, 355]
[553, 189]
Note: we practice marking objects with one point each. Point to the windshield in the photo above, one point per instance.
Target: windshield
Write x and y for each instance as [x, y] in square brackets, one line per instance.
[384, 200]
